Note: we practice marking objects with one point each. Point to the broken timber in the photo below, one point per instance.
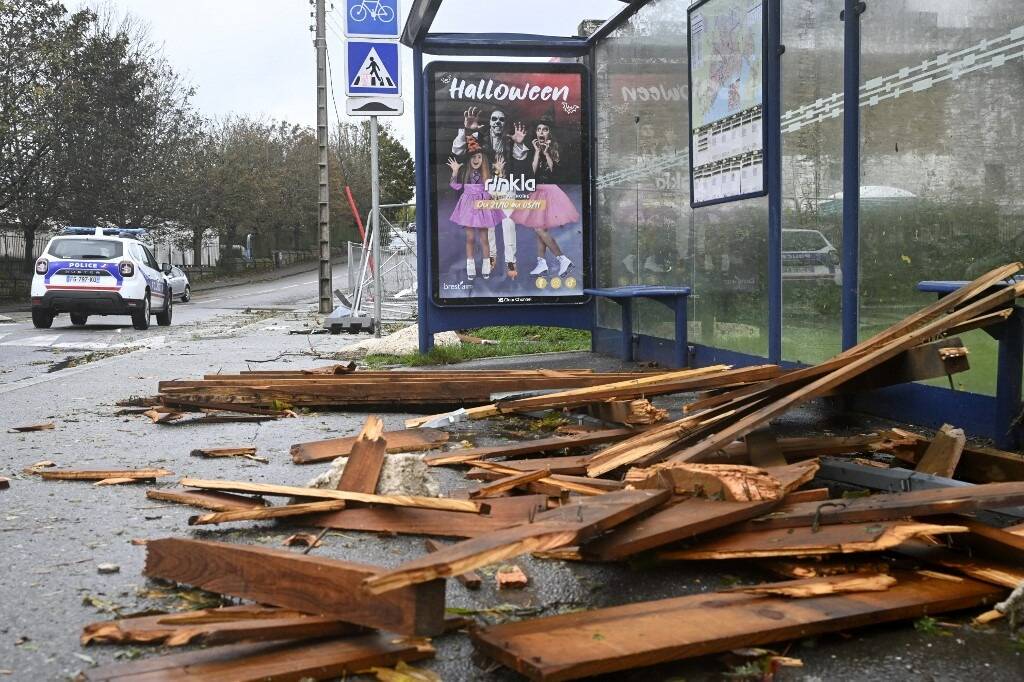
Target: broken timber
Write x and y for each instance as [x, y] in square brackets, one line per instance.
[943, 454]
[529, 447]
[206, 499]
[609, 640]
[101, 474]
[362, 470]
[323, 493]
[405, 440]
[296, 581]
[567, 525]
[264, 513]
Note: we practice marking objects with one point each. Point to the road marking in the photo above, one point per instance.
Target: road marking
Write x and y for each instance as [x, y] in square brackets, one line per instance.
[33, 341]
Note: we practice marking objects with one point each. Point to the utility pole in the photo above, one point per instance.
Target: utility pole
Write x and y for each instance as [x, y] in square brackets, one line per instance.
[324, 213]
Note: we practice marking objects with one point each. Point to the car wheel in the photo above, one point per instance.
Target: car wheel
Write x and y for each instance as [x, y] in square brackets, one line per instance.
[42, 319]
[187, 296]
[79, 319]
[140, 319]
[164, 318]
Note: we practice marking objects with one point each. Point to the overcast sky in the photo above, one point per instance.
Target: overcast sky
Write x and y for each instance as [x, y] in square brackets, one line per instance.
[256, 57]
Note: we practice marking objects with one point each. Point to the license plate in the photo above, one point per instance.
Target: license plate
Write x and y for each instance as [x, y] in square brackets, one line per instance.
[83, 279]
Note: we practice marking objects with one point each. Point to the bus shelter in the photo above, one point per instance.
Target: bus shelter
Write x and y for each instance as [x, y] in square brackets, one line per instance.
[867, 211]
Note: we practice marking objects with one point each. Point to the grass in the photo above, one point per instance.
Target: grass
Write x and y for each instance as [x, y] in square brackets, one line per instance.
[510, 341]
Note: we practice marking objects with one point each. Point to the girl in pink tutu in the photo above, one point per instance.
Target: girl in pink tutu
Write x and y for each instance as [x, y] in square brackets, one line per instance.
[558, 209]
[471, 178]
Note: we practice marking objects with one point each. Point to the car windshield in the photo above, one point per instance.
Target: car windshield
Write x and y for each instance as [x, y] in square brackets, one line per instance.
[802, 240]
[96, 249]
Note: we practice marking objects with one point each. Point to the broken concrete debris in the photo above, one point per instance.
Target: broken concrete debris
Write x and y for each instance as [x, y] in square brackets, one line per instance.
[714, 484]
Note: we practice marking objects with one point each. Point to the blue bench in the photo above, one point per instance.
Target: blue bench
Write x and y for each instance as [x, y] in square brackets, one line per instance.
[673, 297]
[1010, 368]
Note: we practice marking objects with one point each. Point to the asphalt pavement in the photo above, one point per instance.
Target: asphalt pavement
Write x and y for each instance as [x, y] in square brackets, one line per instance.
[53, 535]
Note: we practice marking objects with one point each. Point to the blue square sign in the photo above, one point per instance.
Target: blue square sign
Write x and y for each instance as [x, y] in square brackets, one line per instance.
[373, 68]
[371, 18]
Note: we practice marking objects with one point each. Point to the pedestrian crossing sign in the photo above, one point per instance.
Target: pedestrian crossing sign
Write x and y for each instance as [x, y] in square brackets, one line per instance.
[373, 68]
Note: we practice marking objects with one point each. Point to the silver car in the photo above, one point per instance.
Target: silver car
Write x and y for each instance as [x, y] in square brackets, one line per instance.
[179, 284]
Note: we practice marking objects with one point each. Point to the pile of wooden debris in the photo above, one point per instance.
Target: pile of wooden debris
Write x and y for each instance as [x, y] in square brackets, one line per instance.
[712, 485]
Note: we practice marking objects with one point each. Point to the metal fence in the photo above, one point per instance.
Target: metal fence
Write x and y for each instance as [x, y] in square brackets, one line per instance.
[12, 245]
[397, 268]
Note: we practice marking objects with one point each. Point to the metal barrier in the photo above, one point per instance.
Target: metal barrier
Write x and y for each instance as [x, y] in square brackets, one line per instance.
[12, 244]
[397, 269]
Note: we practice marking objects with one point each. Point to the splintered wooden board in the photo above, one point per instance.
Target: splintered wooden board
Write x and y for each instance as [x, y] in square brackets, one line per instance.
[405, 440]
[557, 528]
[207, 499]
[682, 521]
[297, 581]
[504, 512]
[529, 447]
[587, 643]
[280, 662]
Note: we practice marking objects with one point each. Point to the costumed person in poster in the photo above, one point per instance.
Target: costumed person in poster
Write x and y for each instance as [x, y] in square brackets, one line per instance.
[470, 177]
[558, 209]
[496, 143]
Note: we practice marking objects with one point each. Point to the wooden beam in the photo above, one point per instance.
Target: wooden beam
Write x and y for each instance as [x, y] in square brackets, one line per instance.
[567, 525]
[471, 579]
[100, 474]
[264, 513]
[305, 583]
[894, 506]
[529, 447]
[404, 440]
[510, 482]
[816, 587]
[216, 626]
[610, 640]
[684, 520]
[846, 538]
[504, 512]
[987, 570]
[362, 470]
[276, 662]
[943, 454]
[205, 499]
[325, 494]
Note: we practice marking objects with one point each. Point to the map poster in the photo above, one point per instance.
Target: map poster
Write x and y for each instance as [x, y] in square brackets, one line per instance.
[509, 182]
[727, 140]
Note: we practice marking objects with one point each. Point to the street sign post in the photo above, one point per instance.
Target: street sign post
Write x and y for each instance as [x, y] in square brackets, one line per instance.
[372, 19]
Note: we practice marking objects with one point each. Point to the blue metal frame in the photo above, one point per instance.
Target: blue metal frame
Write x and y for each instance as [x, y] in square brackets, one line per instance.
[773, 176]
[851, 172]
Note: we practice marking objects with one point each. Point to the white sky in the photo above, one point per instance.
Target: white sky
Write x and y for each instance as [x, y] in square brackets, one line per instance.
[256, 57]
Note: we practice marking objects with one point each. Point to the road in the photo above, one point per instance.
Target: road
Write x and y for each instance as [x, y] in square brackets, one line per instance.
[26, 352]
[54, 535]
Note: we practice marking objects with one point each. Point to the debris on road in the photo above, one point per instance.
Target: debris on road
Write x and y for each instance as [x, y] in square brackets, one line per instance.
[119, 475]
[714, 484]
[33, 427]
[4, 483]
[104, 569]
[247, 453]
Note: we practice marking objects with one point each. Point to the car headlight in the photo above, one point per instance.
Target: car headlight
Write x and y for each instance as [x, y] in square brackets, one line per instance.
[42, 265]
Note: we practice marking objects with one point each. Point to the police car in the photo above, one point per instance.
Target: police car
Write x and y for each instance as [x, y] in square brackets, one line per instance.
[100, 271]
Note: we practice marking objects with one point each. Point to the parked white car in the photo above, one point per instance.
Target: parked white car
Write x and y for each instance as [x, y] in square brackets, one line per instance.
[180, 288]
[100, 271]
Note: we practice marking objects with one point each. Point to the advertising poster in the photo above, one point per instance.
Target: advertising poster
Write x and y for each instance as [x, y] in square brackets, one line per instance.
[727, 139]
[510, 185]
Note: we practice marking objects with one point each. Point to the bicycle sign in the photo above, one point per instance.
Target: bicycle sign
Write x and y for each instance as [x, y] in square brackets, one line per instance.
[371, 18]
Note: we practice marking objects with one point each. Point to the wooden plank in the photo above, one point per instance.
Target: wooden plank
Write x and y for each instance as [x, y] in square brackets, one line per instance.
[669, 382]
[504, 512]
[733, 482]
[471, 579]
[561, 527]
[529, 447]
[763, 449]
[919, 363]
[987, 570]
[264, 513]
[813, 495]
[302, 582]
[276, 662]
[942, 456]
[894, 506]
[362, 470]
[510, 482]
[987, 540]
[601, 641]
[846, 538]
[977, 464]
[816, 587]
[570, 465]
[566, 483]
[206, 499]
[404, 440]
[100, 474]
[684, 520]
[216, 626]
[322, 493]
